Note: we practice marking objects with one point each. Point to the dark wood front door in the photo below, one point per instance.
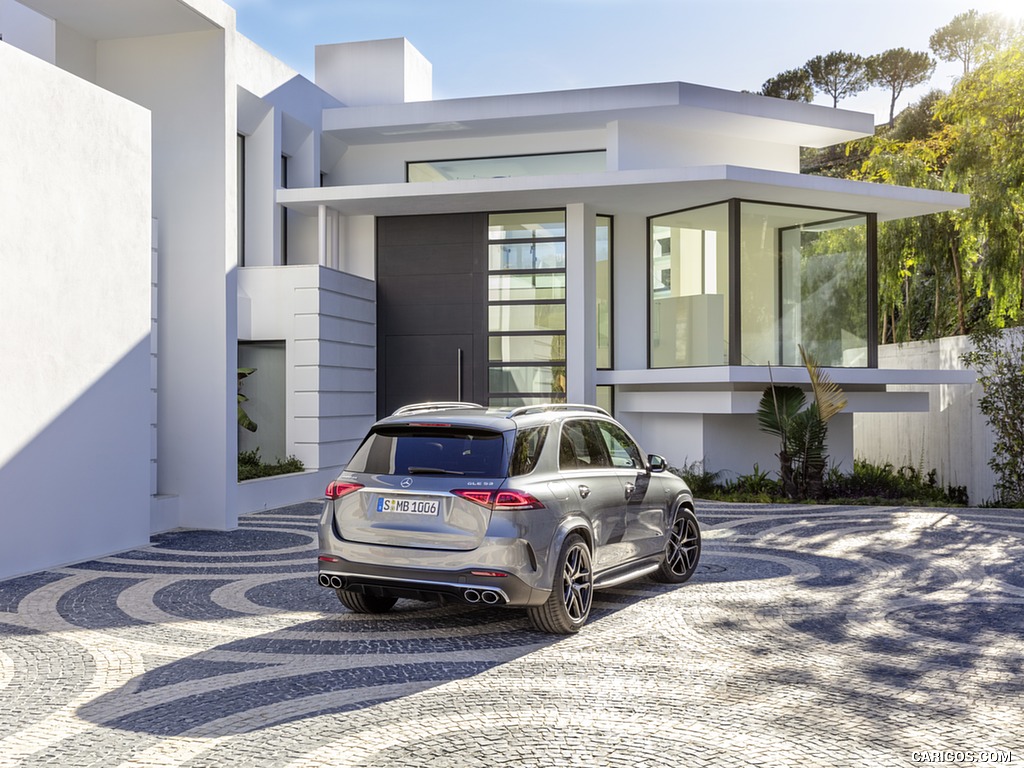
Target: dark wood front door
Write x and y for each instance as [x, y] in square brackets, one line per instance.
[431, 309]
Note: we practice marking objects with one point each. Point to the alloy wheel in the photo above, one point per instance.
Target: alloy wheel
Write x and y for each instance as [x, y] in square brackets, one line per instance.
[577, 582]
[683, 547]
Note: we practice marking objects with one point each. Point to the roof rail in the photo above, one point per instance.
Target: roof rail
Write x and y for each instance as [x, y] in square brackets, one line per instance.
[439, 406]
[555, 407]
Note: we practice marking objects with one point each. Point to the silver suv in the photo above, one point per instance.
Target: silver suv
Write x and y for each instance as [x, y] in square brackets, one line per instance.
[534, 507]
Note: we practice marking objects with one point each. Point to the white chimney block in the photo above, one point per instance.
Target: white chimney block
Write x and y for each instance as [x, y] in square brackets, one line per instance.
[374, 72]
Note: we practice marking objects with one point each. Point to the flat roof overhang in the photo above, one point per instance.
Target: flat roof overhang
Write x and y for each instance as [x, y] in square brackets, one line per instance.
[643, 192]
[118, 19]
[686, 106]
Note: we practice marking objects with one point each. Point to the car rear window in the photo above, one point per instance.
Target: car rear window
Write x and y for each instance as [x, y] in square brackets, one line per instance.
[425, 450]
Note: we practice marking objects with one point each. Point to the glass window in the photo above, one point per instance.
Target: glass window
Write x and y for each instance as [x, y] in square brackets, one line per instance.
[527, 379]
[522, 256]
[581, 447]
[690, 287]
[515, 401]
[264, 390]
[426, 450]
[526, 226]
[804, 281]
[527, 287]
[621, 448]
[604, 291]
[526, 317]
[526, 349]
[526, 450]
[526, 310]
[504, 167]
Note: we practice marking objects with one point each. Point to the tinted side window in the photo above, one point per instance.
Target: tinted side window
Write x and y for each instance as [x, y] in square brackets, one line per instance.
[526, 450]
[581, 446]
[623, 451]
[430, 450]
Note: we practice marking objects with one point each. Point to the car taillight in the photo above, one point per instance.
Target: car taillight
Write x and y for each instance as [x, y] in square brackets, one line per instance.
[336, 490]
[499, 499]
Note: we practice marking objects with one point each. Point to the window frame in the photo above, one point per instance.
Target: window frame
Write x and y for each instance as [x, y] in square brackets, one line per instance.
[527, 397]
[734, 307]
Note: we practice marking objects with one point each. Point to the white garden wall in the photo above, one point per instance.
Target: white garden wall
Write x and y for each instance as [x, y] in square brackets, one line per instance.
[952, 437]
[327, 321]
[75, 271]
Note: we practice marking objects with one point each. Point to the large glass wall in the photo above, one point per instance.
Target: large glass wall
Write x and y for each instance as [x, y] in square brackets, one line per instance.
[803, 273]
[526, 308]
[690, 287]
[803, 279]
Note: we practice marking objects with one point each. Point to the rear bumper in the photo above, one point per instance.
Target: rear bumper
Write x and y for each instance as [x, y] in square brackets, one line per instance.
[462, 585]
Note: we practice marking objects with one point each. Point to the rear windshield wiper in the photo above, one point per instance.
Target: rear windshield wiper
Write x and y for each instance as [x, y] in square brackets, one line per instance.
[433, 471]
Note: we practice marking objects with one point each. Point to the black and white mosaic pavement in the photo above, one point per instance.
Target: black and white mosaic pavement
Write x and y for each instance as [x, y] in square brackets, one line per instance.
[811, 636]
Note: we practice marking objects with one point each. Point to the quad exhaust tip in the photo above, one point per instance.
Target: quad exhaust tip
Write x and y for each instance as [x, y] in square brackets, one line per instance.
[487, 596]
[327, 580]
[482, 596]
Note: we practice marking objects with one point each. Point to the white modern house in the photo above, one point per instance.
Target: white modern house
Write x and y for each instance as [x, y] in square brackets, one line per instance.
[176, 204]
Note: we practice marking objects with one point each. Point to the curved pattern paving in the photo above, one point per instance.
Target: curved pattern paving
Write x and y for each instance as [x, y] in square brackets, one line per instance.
[809, 635]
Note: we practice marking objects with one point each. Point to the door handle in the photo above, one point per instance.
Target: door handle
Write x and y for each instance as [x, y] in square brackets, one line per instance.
[630, 487]
[584, 491]
[458, 374]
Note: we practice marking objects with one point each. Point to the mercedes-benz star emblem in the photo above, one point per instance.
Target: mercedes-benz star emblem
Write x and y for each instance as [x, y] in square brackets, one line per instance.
[407, 482]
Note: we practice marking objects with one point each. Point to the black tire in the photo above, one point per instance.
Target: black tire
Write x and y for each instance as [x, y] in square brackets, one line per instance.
[682, 550]
[360, 603]
[572, 593]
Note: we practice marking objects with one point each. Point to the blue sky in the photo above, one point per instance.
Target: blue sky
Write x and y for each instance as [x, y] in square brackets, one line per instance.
[484, 47]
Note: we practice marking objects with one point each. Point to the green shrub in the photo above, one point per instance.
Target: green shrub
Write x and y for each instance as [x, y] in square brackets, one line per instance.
[251, 466]
[883, 483]
[998, 358]
[867, 484]
[702, 482]
[756, 484]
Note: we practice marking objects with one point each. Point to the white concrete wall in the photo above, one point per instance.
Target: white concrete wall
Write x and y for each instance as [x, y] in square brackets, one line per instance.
[630, 267]
[184, 80]
[279, 113]
[638, 145]
[678, 437]
[75, 213]
[327, 320]
[374, 72]
[76, 53]
[952, 438]
[359, 246]
[580, 306]
[728, 443]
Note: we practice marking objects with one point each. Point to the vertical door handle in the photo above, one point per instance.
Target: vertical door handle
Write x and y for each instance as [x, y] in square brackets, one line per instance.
[584, 491]
[630, 487]
[458, 373]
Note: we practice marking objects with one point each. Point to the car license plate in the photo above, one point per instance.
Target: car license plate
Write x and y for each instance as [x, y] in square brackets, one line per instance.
[408, 506]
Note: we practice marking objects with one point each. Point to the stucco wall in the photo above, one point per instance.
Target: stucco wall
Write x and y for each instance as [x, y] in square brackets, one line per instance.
[952, 437]
[75, 262]
[182, 79]
[327, 320]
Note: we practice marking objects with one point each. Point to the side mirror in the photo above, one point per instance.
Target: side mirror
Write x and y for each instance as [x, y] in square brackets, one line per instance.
[657, 463]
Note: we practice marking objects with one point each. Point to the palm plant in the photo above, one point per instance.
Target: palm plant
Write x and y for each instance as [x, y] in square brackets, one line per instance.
[801, 428]
[243, 418]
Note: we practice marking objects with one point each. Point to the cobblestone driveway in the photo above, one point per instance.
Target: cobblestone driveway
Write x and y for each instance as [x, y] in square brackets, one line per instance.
[809, 636]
